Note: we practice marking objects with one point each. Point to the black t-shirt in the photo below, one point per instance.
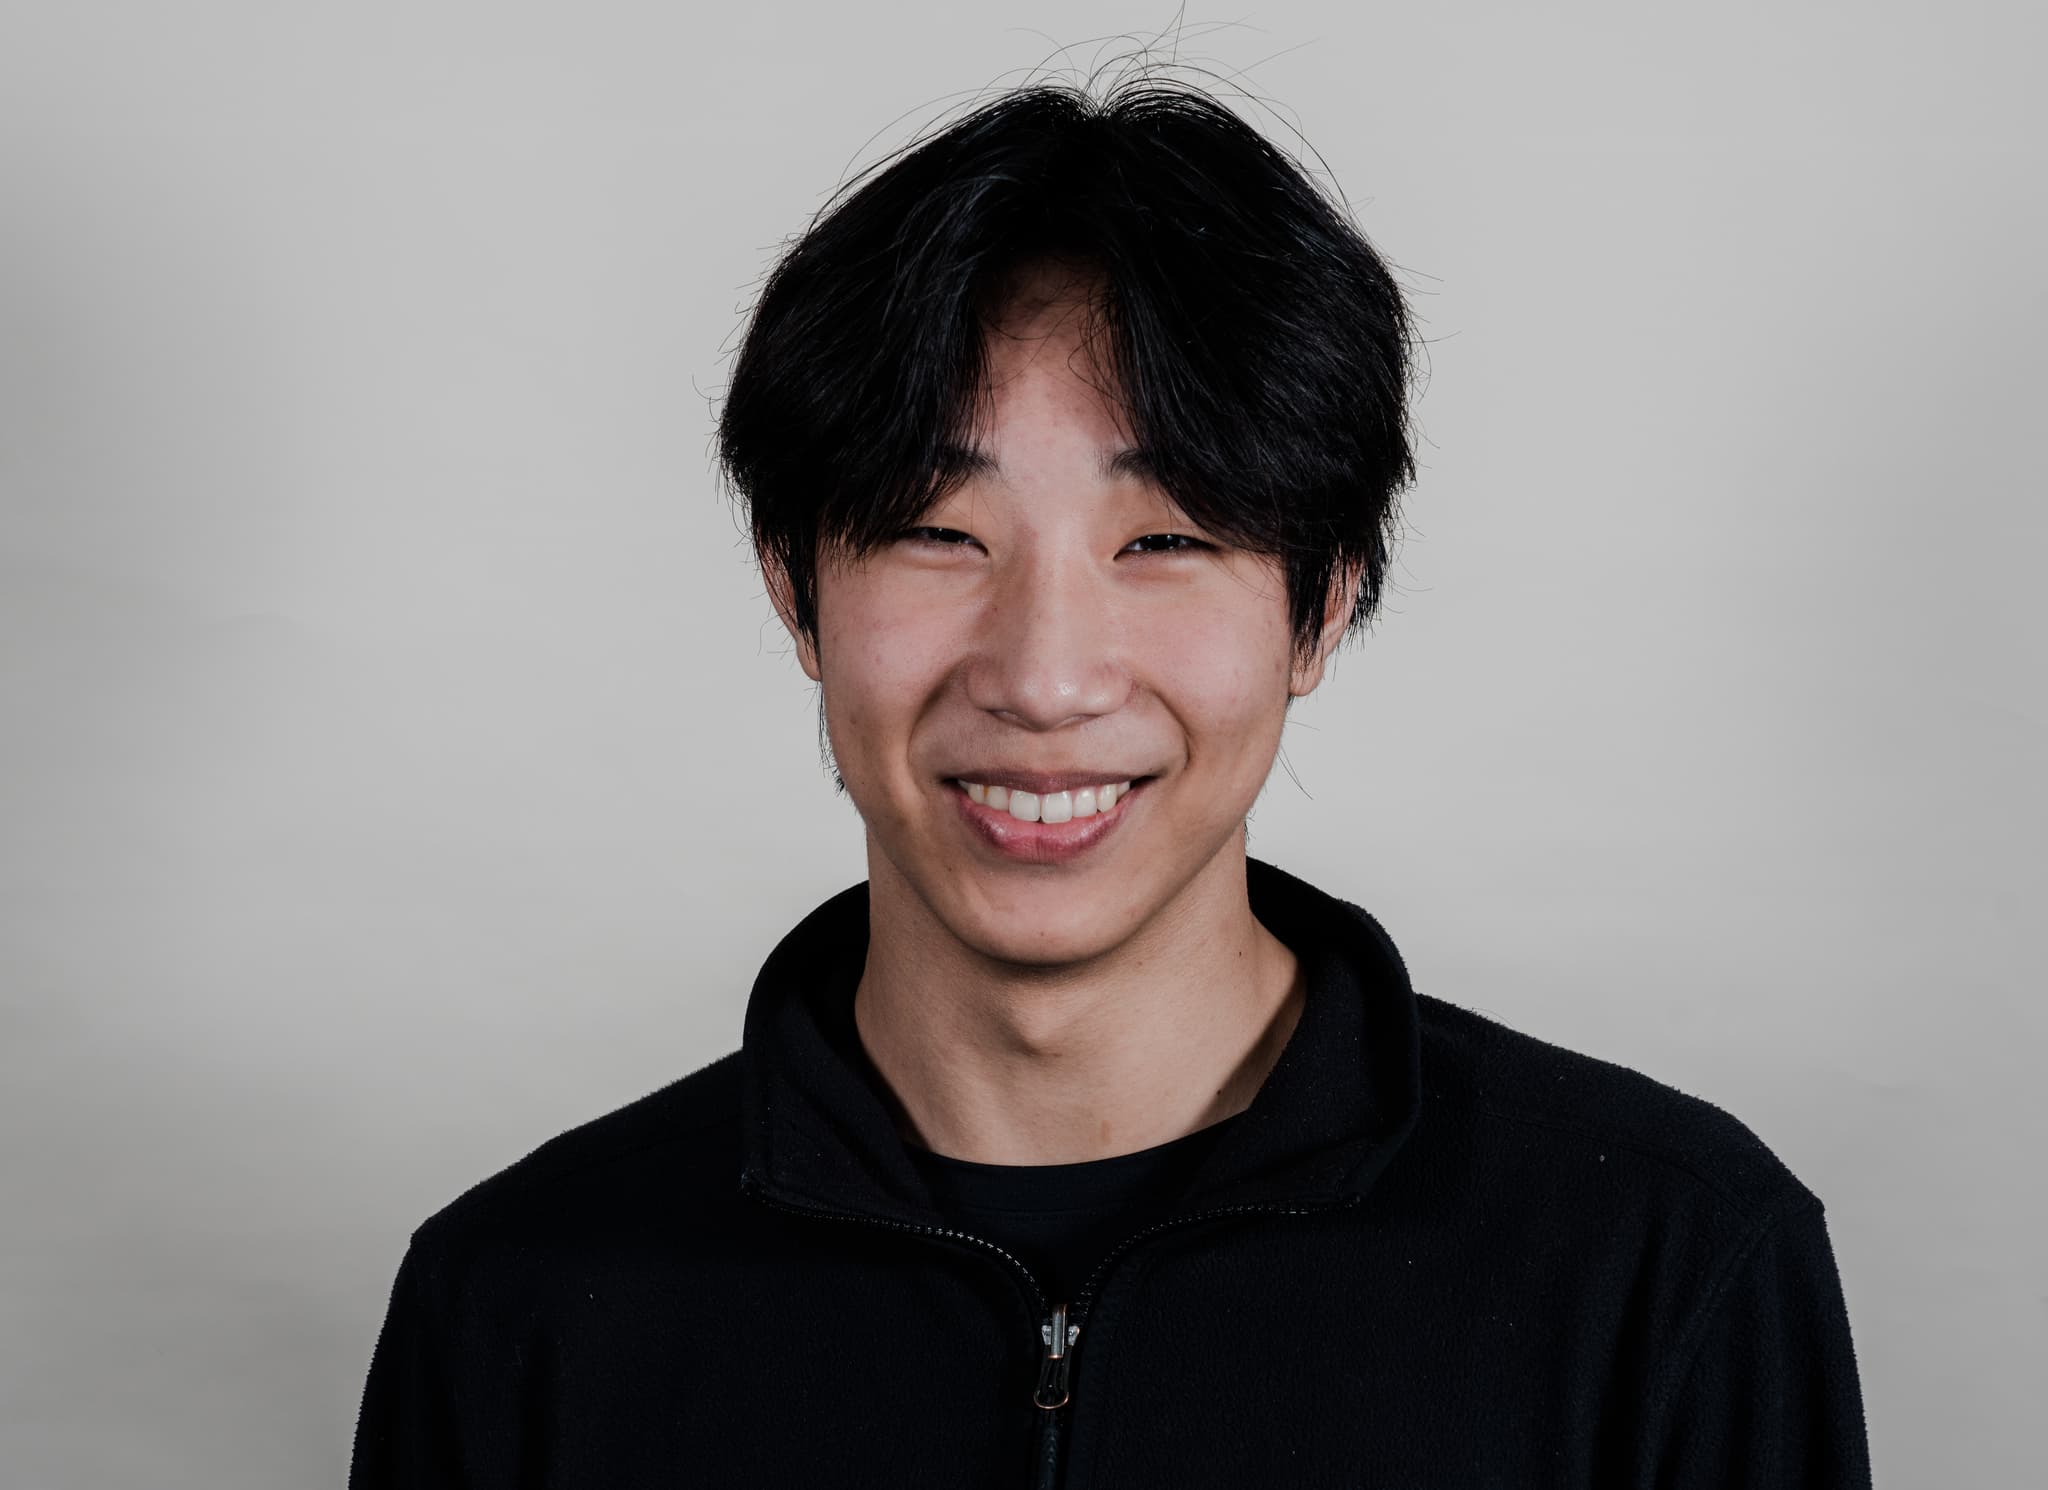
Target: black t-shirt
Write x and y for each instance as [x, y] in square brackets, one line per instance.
[1060, 1220]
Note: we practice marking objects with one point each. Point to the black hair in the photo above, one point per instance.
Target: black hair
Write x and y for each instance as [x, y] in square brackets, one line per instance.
[1259, 347]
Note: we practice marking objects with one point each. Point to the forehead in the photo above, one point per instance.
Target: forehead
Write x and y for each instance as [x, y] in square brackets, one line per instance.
[1050, 366]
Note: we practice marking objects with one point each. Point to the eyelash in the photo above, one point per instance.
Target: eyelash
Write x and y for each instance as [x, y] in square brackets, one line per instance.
[1190, 542]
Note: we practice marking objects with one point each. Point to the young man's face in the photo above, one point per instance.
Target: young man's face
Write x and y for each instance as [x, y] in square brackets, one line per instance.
[1048, 629]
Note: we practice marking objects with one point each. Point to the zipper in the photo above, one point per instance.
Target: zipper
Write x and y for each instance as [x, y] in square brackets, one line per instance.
[1051, 1391]
[1062, 1331]
[1058, 1336]
[1059, 1329]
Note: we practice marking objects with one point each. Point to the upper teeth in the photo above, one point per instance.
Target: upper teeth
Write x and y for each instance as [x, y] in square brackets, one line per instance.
[1053, 807]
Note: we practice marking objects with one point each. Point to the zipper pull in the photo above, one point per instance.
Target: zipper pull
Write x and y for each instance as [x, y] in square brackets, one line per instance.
[1058, 1336]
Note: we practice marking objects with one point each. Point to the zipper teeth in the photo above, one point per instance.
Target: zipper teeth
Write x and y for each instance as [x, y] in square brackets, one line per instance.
[1077, 1310]
[1078, 1307]
[1030, 1279]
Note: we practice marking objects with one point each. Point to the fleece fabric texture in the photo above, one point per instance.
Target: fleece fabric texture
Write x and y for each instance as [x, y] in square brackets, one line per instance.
[1433, 1252]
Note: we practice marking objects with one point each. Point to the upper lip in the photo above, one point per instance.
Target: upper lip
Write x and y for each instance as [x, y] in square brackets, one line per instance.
[1042, 782]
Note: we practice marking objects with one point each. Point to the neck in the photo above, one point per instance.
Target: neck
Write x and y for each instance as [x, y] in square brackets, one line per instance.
[1171, 1031]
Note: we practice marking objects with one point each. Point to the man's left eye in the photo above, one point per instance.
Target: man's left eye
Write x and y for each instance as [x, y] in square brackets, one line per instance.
[1186, 539]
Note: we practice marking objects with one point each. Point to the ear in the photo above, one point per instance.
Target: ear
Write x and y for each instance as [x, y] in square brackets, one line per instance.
[1337, 609]
[781, 593]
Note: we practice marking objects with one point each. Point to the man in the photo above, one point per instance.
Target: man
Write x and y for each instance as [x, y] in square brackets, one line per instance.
[1074, 1146]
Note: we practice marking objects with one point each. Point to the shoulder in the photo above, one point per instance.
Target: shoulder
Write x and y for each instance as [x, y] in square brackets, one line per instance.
[1516, 1089]
[641, 1164]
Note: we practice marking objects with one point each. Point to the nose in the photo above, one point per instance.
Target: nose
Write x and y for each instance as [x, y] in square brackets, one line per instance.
[1047, 648]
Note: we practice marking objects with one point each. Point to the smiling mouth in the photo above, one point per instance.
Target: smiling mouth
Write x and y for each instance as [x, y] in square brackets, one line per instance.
[1049, 807]
[1039, 839]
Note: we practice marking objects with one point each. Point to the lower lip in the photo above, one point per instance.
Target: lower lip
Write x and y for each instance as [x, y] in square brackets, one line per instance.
[1042, 843]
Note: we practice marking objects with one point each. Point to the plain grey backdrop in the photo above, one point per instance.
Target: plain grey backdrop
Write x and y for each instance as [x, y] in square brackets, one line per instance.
[401, 762]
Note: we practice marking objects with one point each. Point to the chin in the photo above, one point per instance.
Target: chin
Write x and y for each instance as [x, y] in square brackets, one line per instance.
[1061, 924]
[1063, 948]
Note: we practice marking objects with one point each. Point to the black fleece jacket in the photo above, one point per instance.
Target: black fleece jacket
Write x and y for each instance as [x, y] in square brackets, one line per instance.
[1433, 1252]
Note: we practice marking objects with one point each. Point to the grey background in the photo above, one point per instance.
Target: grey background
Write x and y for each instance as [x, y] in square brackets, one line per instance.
[401, 763]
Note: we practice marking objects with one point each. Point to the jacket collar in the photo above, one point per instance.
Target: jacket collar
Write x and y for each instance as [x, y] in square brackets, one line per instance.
[1342, 1097]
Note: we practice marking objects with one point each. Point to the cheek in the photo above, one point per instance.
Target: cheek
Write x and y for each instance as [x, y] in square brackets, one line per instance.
[882, 658]
[1223, 669]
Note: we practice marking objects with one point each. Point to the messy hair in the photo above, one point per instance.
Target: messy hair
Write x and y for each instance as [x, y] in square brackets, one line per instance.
[1258, 347]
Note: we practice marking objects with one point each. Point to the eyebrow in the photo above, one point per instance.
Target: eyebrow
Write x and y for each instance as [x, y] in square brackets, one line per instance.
[958, 461]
